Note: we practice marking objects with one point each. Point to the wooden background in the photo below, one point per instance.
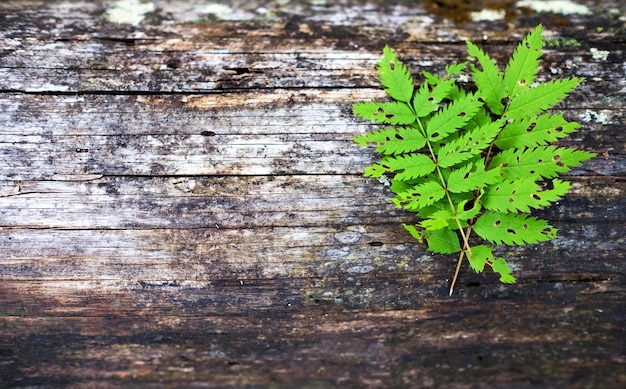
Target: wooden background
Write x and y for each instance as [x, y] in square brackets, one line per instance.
[181, 204]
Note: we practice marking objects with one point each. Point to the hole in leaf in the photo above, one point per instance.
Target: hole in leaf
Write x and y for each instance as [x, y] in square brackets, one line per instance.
[510, 231]
[392, 65]
[558, 129]
[434, 135]
[532, 172]
[399, 137]
[497, 223]
[462, 114]
[556, 157]
[511, 200]
[525, 226]
[504, 101]
[546, 231]
[559, 163]
[531, 127]
[535, 196]
[389, 116]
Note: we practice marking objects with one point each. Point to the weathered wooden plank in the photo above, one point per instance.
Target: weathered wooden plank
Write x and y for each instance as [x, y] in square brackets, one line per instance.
[181, 205]
[208, 256]
[236, 202]
[203, 70]
[427, 346]
[200, 135]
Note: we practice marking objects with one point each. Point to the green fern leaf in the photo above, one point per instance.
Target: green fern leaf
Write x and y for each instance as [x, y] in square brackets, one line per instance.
[502, 268]
[538, 162]
[409, 166]
[521, 195]
[454, 116]
[455, 69]
[535, 131]
[395, 76]
[426, 100]
[523, 66]
[414, 232]
[468, 162]
[442, 241]
[489, 81]
[472, 176]
[469, 145]
[437, 220]
[422, 195]
[480, 255]
[509, 228]
[540, 98]
[469, 214]
[391, 141]
[389, 113]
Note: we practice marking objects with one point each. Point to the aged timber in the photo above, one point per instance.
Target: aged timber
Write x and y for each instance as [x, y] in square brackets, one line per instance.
[181, 204]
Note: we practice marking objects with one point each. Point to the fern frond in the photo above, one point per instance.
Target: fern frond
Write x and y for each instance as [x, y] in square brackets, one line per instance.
[452, 117]
[502, 268]
[521, 195]
[442, 241]
[479, 257]
[469, 145]
[489, 81]
[438, 219]
[409, 166]
[471, 177]
[538, 162]
[510, 228]
[523, 66]
[455, 69]
[390, 113]
[482, 255]
[540, 98]
[426, 101]
[422, 195]
[395, 76]
[391, 141]
[535, 131]
[467, 162]
[414, 232]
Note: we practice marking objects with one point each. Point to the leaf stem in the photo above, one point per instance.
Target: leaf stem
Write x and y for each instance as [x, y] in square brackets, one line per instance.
[460, 261]
[464, 236]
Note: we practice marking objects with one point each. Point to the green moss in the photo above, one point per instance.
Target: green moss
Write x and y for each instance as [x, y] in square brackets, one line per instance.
[563, 43]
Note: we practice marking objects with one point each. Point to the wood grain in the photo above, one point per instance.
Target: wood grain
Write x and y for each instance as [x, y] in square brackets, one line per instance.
[181, 205]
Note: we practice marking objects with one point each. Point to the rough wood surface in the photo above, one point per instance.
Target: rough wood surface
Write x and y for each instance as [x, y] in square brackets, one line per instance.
[181, 205]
